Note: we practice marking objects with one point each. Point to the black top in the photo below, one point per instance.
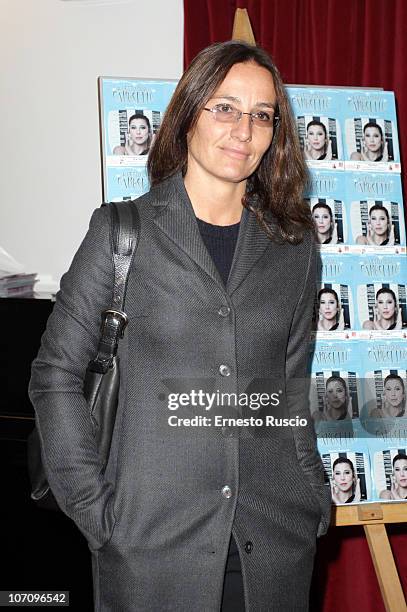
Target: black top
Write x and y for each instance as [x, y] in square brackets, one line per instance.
[220, 240]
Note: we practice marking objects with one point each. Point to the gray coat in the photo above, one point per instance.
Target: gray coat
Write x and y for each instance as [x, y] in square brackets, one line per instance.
[159, 521]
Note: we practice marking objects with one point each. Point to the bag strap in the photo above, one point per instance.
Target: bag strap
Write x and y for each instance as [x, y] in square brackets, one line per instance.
[125, 231]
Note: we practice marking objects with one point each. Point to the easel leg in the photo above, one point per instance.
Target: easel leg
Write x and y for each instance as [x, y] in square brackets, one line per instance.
[385, 568]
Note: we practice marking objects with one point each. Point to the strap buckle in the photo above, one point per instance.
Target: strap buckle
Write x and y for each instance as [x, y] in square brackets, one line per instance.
[119, 316]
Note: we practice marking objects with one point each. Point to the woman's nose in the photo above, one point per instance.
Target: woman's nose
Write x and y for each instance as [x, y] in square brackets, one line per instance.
[242, 129]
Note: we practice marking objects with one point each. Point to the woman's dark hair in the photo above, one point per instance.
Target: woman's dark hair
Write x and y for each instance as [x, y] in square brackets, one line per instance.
[394, 377]
[343, 460]
[382, 209]
[398, 457]
[323, 205]
[275, 190]
[146, 119]
[372, 124]
[321, 125]
[332, 292]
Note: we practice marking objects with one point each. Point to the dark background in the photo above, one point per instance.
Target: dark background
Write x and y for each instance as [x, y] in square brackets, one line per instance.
[40, 549]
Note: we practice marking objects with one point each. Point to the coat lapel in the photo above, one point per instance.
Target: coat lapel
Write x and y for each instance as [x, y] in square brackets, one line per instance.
[176, 218]
[251, 244]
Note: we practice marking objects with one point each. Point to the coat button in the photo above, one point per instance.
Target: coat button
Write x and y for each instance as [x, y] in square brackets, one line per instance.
[227, 492]
[248, 547]
[224, 370]
[224, 311]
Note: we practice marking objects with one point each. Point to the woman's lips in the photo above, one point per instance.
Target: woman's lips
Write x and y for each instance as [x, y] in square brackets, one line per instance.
[235, 153]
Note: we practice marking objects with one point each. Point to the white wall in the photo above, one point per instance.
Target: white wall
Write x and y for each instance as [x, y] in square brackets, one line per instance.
[51, 53]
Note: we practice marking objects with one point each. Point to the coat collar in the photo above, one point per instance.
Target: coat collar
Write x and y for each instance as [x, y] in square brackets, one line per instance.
[176, 218]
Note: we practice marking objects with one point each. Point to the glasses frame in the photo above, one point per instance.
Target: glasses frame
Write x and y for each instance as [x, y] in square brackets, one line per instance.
[238, 114]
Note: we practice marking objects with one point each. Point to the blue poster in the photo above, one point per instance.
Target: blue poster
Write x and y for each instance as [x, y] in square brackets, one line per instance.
[376, 218]
[131, 111]
[317, 112]
[380, 286]
[370, 131]
[334, 311]
[325, 193]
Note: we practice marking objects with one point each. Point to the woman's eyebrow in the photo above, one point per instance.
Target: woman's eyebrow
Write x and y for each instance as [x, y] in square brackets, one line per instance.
[238, 101]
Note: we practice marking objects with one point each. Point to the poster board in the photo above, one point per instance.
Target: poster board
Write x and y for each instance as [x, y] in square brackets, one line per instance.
[131, 112]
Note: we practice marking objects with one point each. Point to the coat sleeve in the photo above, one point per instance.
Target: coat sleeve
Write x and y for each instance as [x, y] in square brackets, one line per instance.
[297, 387]
[70, 456]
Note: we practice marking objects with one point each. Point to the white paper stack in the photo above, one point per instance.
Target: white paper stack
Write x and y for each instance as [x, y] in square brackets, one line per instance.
[14, 281]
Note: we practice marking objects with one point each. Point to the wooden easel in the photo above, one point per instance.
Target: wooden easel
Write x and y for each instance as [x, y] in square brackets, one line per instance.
[373, 518]
[242, 29]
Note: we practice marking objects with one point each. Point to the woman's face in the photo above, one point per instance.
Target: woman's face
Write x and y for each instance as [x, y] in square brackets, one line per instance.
[316, 137]
[400, 472]
[378, 222]
[231, 152]
[322, 220]
[328, 306]
[138, 129]
[373, 139]
[335, 394]
[394, 392]
[343, 476]
[386, 306]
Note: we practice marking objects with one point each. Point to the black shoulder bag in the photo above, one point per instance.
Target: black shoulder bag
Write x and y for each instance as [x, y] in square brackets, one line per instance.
[101, 384]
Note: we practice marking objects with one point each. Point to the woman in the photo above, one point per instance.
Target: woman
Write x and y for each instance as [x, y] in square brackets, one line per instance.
[330, 315]
[387, 316]
[138, 138]
[317, 143]
[337, 402]
[325, 226]
[380, 231]
[394, 398]
[177, 505]
[398, 490]
[345, 485]
[374, 148]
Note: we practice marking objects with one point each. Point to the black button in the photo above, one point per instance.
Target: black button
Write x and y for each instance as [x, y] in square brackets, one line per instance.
[248, 547]
[224, 311]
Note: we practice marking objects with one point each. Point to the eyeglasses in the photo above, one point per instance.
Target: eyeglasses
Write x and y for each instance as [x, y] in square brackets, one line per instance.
[226, 113]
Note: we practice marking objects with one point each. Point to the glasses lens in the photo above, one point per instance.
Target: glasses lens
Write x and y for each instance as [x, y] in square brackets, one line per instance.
[226, 115]
[263, 119]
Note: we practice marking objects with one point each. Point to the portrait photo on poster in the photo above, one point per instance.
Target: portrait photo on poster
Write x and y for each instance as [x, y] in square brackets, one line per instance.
[329, 219]
[132, 131]
[334, 395]
[376, 223]
[333, 309]
[320, 138]
[382, 307]
[348, 473]
[390, 473]
[369, 139]
[384, 393]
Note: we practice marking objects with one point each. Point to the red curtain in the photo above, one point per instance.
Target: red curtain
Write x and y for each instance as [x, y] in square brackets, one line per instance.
[360, 43]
